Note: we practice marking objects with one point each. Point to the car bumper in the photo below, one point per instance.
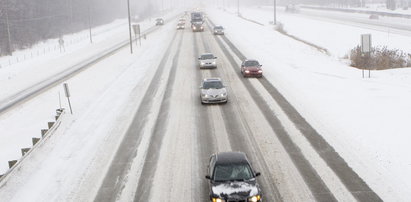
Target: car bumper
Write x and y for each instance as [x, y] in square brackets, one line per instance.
[218, 33]
[208, 66]
[253, 74]
[214, 100]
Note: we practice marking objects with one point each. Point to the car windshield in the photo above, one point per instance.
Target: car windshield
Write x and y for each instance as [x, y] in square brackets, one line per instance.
[232, 172]
[212, 84]
[251, 63]
[218, 27]
[207, 56]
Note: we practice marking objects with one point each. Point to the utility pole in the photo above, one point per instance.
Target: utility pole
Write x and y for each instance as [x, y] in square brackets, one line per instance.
[275, 12]
[9, 49]
[129, 26]
[238, 7]
[89, 22]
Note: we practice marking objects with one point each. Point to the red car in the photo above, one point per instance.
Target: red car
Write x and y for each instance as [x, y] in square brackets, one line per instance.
[251, 68]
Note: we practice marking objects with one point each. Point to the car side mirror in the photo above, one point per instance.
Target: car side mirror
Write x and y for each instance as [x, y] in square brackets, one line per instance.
[260, 65]
[199, 58]
[208, 177]
[215, 57]
[200, 87]
[257, 174]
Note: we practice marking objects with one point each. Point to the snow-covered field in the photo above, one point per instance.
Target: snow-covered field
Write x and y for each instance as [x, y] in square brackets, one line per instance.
[365, 120]
[23, 123]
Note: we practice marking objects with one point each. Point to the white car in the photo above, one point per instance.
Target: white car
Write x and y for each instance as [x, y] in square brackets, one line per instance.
[207, 60]
[212, 90]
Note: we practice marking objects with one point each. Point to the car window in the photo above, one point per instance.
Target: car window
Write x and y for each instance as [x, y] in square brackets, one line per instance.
[232, 172]
[212, 84]
[207, 56]
[251, 63]
[212, 164]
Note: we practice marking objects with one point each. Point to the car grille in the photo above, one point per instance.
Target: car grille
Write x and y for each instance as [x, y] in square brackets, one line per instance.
[236, 200]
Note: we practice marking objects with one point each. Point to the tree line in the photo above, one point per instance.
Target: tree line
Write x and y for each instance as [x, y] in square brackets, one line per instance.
[24, 23]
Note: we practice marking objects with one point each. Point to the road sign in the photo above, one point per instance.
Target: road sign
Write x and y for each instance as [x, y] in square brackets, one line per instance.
[66, 90]
[365, 43]
[136, 28]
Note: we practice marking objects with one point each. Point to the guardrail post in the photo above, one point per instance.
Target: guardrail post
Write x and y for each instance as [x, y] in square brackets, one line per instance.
[24, 151]
[50, 124]
[43, 132]
[35, 140]
[12, 163]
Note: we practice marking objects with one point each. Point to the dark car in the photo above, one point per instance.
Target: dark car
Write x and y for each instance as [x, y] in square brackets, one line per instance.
[251, 68]
[197, 27]
[232, 179]
[159, 21]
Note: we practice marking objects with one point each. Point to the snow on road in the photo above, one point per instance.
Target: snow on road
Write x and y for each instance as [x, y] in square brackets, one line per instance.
[365, 120]
[68, 164]
[23, 124]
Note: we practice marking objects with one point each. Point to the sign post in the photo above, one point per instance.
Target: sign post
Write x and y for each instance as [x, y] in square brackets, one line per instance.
[66, 90]
[366, 49]
[136, 28]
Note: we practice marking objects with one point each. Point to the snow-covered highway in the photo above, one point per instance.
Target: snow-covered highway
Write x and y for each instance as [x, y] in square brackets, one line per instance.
[140, 133]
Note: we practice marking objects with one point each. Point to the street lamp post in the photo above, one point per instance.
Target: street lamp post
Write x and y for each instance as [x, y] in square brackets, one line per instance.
[89, 23]
[238, 7]
[275, 12]
[9, 48]
[129, 26]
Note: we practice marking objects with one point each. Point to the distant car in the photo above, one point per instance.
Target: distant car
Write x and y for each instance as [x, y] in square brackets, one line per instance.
[207, 60]
[218, 30]
[251, 68]
[181, 25]
[374, 17]
[292, 8]
[231, 178]
[212, 90]
[159, 21]
[197, 27]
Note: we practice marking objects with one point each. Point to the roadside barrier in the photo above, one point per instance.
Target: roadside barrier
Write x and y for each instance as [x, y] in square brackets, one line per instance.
[45, 133]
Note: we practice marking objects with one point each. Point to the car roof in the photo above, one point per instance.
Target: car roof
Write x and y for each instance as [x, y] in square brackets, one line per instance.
[224, 158]
[212, 79]
[206, 54]
[250, 60]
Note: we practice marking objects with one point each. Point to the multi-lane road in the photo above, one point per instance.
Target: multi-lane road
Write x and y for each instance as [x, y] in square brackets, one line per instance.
[165, 152]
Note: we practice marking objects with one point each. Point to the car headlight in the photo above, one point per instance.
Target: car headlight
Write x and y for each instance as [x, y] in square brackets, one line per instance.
[213, 62]
[204, 95]
[247, 71]
[255, 198]
[223, 94]
[217, 200]
[260, 71]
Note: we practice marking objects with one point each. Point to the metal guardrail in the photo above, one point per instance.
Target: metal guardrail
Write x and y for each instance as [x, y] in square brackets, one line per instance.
[348, 10]
[45, 133]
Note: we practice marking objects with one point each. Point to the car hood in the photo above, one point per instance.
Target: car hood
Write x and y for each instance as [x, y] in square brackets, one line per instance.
[213, 91]
[235, 190]
[207, 60]
[253, 68]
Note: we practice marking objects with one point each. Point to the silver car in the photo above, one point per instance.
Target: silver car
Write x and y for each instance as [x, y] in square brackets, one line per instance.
[207, 60]
[212, 90]
[218, 30]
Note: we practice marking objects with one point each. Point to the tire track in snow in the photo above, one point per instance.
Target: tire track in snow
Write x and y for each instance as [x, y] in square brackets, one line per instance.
[149, 168]
[114, 179]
